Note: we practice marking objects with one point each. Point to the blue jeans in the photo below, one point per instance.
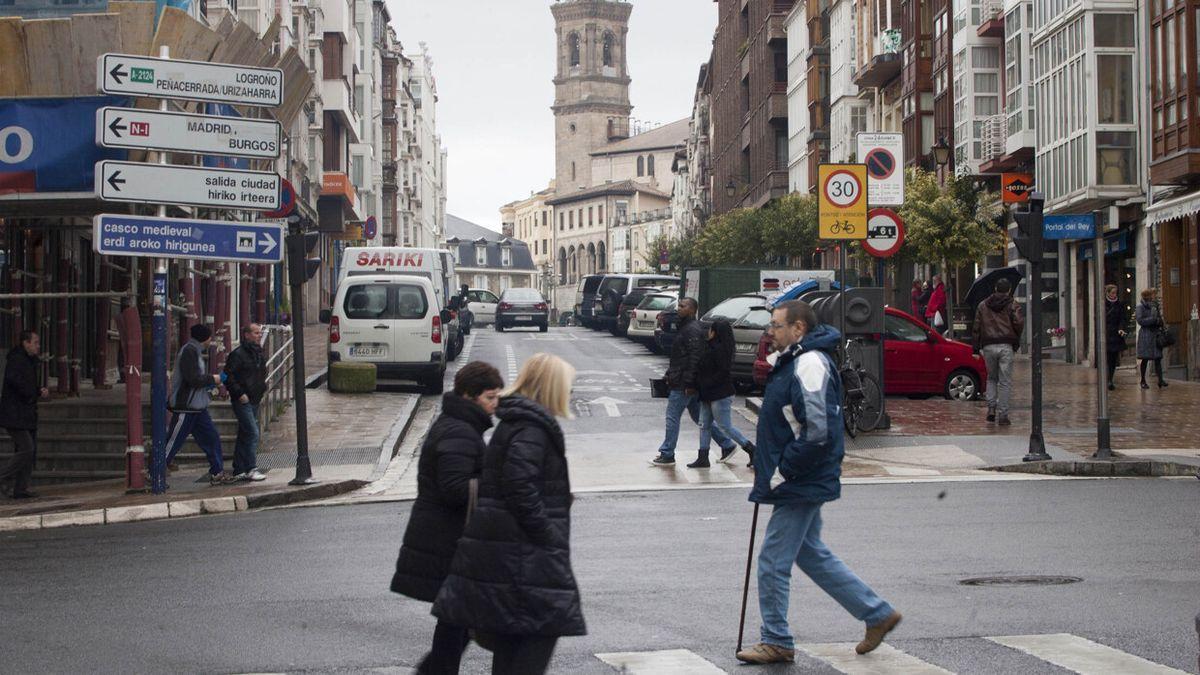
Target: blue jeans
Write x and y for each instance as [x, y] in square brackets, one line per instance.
[200, 425]
[677, 402]
[245, 451]
[717, 417]
[794, 536]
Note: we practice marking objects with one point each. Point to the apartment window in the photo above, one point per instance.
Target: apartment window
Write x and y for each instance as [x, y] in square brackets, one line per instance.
[1114, 30]
[985, 57]
[570, 220]
[641, 165]
[544, 246]
[1116, 157]
[505, 256]
[622, 212]
[987, 105]
[505, 282]
[987, 83]
[481, 281]
[781, 149]
[480, 255]
[1115, 88]
[356, 171]
[858, 119]
[543, 219]
[591, 218]
[746, 165]
[560, 222]
[600, 214]
[1169, 63]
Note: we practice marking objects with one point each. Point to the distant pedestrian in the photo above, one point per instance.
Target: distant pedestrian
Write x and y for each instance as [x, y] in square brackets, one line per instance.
[1150, 325]
[1116, 316]
[715, 383]
[999, 323]
[18, 412]
[451, 458]
[246, 380]
[682, 377]
[511, 579]
[915, 304]
[797, 469]
[191, 394]
[935, 310]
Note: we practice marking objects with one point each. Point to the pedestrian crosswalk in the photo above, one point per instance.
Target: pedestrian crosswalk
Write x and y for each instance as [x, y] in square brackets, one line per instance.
[1028, 654]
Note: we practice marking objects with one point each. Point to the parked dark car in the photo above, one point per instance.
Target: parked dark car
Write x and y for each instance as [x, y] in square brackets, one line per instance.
[631, 301]
[612, 293]
[585, 299]
[522, 307]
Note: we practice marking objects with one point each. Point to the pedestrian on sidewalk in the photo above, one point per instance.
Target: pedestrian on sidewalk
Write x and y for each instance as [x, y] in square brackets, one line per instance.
[191, 393]
[511, 579]
[797, 469]
[246, 380]
[682, 377]
[917, 298]
[1150, 325]
[451, 459]
[1115, 317]
[715, 383]
[18, 412]
[999, 323]
[935, 310]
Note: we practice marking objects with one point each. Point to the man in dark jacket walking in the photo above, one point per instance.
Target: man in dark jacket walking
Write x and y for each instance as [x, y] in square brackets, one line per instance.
[190, 396]
[683, 378]
[451, 457]
[798, 468]
[18, 412]
[998, 326]
[246, 380]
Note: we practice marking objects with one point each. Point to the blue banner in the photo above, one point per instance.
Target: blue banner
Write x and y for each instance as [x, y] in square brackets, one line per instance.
[49, 144]
[186, 238]
[49, 9]
[1075, 226]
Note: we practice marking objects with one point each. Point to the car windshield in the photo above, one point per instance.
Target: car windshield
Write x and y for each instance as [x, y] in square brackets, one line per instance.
[618, 284]
[521, 295]
[656, 302]
[734, 308]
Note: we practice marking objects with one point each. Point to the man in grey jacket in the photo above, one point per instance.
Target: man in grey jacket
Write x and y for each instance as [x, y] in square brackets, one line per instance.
[190, 396]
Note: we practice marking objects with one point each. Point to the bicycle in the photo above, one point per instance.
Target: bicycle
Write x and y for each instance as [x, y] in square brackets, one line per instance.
[862, 397]
[839, 226]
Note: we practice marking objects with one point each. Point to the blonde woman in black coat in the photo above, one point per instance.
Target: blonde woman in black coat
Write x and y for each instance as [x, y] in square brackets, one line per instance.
[451, 457]
[511, 580]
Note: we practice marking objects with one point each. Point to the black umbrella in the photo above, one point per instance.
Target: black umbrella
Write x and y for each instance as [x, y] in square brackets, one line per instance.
[985, 283]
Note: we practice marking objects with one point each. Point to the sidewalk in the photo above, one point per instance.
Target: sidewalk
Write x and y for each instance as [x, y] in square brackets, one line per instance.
[351, 439]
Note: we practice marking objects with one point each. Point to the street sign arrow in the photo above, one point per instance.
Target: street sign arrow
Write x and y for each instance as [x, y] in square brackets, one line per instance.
[190, 80]
[610, 405]
[188, 185]
[185, 132]
[149, 236]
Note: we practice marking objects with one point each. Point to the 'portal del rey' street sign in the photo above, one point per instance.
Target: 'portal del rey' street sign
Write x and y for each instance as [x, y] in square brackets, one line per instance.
[185, 132]
[148, 236]
[190, 80]
[194, 186]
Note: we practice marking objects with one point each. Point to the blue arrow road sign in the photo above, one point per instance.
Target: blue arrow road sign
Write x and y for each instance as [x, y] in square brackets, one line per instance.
[1072, 226]
[152, 237]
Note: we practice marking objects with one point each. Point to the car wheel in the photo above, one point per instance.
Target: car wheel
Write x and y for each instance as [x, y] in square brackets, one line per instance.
[962, 385]
[543, 328]
[499, 327]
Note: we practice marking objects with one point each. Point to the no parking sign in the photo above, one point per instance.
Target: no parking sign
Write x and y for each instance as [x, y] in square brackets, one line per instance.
[883, 153]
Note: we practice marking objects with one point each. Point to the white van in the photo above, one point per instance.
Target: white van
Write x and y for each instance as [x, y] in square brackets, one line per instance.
[434, 264]
[393, 321]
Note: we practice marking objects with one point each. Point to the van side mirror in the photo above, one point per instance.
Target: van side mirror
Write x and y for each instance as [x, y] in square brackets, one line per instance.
[325, 316]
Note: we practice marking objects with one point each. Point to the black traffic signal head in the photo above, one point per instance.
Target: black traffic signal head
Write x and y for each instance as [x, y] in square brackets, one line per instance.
[302, 267]
[1028, 238]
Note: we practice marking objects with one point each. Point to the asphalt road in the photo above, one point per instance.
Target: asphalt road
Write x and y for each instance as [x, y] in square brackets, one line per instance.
[306, 589]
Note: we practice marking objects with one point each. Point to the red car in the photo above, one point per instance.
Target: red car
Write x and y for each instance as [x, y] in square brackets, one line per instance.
[916, 360]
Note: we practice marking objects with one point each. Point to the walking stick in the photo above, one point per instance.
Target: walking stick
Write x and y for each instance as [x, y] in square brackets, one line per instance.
[746, 586]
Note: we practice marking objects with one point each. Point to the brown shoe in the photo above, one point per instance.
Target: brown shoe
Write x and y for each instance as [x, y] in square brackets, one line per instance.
[876, 633]
[765, 653]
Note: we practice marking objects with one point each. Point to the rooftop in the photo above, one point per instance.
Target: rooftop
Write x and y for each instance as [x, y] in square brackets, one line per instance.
[667, 136]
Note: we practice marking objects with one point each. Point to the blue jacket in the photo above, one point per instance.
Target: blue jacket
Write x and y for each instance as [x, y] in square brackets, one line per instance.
[800, 425]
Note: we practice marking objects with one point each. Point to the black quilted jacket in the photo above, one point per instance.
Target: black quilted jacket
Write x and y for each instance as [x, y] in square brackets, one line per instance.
[512, 571]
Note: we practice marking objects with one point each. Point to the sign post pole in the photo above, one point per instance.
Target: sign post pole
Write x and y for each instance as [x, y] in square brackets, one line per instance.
[303, 463]
[1103, 438]
[158, 337]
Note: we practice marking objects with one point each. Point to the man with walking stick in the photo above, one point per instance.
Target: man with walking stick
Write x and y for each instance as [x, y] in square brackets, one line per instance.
[798, 467]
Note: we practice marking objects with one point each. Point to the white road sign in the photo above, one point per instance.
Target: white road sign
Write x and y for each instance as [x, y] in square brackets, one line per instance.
[183, 132]
[192, 186]
[883, 153]
[190, 80]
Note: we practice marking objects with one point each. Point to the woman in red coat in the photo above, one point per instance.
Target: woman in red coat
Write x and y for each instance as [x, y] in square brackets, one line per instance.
[937, 304]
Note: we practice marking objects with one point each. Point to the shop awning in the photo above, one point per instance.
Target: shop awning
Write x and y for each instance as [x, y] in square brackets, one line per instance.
[1176, 207]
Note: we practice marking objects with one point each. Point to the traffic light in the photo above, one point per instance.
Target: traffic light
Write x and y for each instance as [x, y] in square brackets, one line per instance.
[301, 267]
[1028, 237]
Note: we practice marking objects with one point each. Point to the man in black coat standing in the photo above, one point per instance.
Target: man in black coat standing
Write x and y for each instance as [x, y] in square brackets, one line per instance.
[18, 412]
[683, 378]
[246, 380]
[451, 457]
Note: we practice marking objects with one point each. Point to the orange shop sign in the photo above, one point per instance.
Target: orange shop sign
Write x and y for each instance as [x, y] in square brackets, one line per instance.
[1015, 187]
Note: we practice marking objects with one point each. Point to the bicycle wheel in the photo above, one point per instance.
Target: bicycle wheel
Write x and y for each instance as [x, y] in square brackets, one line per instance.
[870, 406]
[850, 413]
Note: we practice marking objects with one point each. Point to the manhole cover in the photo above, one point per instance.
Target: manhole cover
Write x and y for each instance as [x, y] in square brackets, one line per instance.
[1028, 580]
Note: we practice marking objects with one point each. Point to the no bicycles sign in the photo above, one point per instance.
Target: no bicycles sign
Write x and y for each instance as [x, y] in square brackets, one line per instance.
[842, 201]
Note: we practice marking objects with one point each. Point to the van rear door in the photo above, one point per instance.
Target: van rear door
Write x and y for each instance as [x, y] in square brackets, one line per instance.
[367, 327]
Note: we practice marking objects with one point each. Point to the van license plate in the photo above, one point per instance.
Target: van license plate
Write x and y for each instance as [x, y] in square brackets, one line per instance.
[524, 317]
[745, 347]
[366, 351]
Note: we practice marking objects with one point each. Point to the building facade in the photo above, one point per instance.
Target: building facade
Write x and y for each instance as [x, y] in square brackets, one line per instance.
[488, 260]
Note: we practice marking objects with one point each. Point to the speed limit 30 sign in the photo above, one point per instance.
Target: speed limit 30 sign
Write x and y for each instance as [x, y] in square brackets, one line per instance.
[842, 200]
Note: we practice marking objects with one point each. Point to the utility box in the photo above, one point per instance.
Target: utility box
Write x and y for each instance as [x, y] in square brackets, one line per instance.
[710, 285]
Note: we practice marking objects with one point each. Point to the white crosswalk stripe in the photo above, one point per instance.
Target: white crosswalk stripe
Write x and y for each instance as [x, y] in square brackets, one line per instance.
[885, 660]
[1083, 656]
[666, 662]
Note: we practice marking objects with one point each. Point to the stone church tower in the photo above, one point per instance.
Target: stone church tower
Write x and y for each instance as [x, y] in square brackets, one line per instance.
[591, 88]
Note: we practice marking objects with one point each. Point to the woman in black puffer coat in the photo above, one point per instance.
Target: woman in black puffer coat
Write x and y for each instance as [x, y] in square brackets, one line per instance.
[511, 579]
[451, 457]
[715, 381]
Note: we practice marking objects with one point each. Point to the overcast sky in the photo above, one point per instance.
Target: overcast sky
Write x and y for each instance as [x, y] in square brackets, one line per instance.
[494, 62]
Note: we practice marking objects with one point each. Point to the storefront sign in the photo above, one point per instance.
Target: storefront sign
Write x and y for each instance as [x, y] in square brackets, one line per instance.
[1113, 243]
[1075, 226]
[1015, 187]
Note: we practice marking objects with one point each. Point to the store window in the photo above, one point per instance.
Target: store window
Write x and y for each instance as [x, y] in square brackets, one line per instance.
[1114, 85]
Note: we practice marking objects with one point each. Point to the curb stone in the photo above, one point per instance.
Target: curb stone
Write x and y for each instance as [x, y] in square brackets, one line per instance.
[1095, 468]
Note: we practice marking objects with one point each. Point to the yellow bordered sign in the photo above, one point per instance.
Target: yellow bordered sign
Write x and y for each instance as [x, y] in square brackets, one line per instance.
[842, 199]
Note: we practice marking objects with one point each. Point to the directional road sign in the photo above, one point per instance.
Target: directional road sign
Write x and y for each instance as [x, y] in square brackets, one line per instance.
[885, 233]
[183, 132]
[189, 80]
[193, 186]
[149, 236]
[842, 201]
[883, 153]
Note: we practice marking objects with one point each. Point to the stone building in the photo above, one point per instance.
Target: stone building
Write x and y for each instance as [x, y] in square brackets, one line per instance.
[486, 259]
